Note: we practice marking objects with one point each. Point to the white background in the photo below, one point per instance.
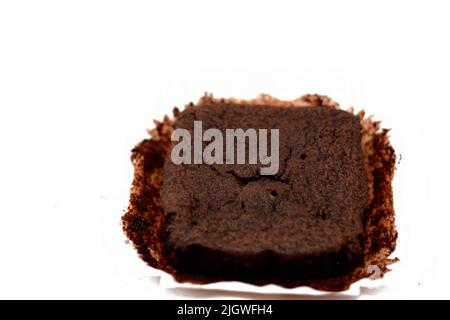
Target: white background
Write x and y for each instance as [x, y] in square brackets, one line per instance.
[80, 81]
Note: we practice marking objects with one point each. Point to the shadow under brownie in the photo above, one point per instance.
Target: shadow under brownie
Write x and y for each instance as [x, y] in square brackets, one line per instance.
[321, 221]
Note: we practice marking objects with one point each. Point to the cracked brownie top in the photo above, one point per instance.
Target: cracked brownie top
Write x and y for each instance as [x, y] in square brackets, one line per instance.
[314, 204]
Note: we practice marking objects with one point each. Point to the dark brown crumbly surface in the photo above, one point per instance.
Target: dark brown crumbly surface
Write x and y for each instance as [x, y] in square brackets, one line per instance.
[321, 221]
[230, 221]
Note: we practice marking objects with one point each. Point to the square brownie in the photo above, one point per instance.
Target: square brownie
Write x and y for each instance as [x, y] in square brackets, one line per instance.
[306, 221]
[325, 219]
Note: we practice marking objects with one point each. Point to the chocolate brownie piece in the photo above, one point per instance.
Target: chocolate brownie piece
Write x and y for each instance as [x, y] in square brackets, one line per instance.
[306, 221]
[324, 220]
